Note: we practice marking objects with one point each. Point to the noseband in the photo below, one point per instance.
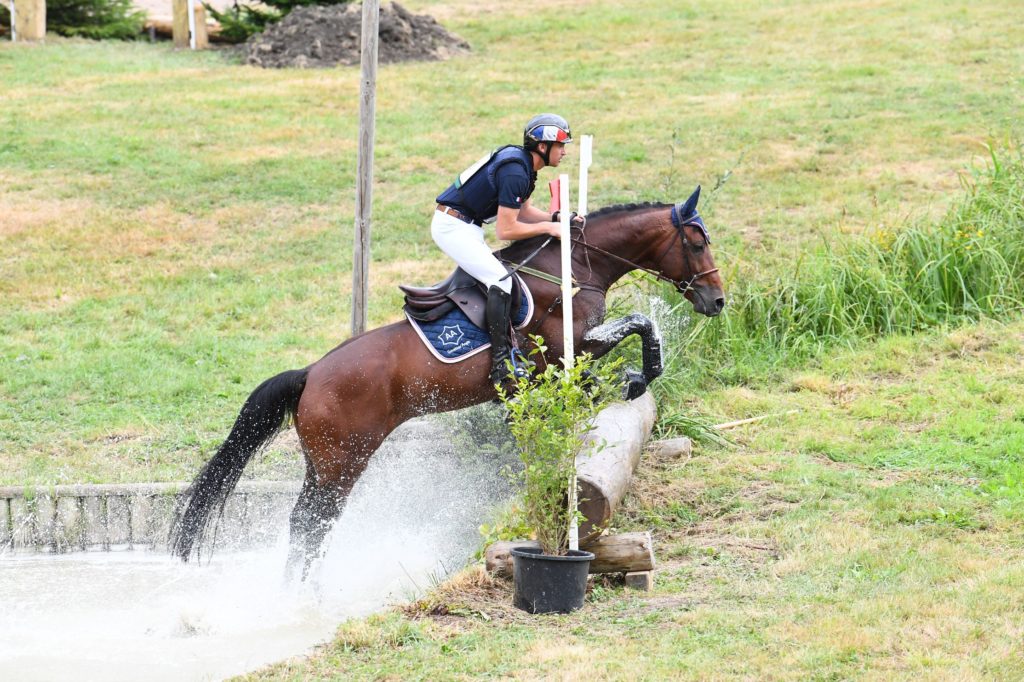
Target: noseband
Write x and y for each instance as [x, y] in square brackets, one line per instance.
[679, 224]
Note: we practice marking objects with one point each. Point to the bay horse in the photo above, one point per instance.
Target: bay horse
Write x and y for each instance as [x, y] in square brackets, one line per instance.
[346, 403]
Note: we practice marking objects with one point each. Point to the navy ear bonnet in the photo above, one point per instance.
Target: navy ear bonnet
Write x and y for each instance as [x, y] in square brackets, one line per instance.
[685, 213]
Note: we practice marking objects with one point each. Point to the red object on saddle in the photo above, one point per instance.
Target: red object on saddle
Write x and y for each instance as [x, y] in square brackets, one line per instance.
[556, 196]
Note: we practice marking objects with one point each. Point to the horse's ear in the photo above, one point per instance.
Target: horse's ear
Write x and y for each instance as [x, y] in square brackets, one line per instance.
[690, 207]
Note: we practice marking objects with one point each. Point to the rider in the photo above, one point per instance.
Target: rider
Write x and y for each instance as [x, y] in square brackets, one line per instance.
[499, 187]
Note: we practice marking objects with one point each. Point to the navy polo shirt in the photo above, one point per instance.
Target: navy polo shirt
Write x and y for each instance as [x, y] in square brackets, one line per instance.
[480, 199]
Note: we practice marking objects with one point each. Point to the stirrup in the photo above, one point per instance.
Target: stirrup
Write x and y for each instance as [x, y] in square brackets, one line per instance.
[522, 366]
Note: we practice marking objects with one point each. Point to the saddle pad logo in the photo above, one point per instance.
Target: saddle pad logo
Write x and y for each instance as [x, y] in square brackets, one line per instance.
[451, 336]
[454, 337]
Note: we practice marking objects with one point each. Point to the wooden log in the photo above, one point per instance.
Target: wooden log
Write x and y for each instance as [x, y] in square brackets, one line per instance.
[30, 20]
[605, 467]
[621, 553]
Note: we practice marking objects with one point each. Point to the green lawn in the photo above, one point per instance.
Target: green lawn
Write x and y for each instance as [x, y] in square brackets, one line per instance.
[175, 228]
[874, 534]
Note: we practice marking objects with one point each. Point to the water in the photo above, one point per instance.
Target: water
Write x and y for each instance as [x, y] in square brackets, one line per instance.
[136, 614]
[139, 615]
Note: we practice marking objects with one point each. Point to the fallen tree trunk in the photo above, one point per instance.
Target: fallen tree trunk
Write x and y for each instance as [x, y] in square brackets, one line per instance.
[605, 467]
[622, 553]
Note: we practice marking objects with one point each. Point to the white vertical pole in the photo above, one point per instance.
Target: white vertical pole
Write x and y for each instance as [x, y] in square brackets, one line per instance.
[586, 157]
[565, 237]
[364, 165]
[14, 23]
[192, 24]
[568, 347]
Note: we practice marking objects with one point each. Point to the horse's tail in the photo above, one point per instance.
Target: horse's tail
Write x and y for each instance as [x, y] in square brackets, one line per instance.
[260, 419]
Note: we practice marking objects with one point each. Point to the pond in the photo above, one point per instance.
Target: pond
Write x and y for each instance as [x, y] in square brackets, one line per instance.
[140, 614]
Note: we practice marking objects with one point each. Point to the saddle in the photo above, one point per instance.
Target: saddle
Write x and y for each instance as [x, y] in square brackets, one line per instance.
[459, 290]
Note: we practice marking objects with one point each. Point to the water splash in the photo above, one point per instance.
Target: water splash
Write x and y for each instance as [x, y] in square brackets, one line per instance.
[669, 319]
[130, 615]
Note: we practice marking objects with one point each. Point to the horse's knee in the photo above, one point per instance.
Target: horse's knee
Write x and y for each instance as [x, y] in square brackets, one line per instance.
[638, 321]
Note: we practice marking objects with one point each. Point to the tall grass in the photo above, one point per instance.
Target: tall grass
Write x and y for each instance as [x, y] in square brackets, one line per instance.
[970, 265]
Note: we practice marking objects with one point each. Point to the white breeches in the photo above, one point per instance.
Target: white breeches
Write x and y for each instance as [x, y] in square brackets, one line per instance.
[464, 243]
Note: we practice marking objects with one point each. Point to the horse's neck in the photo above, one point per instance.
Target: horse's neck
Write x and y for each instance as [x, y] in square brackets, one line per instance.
[631, 237]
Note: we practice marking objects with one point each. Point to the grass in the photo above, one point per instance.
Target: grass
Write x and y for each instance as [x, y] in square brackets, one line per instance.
[175, 228]
[967, 266]
[862, 537]
[189, 219]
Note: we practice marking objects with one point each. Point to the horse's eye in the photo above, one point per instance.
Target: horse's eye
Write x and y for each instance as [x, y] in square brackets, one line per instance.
[698, 248]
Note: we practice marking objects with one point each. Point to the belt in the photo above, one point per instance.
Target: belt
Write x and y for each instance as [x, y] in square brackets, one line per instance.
[456, 214]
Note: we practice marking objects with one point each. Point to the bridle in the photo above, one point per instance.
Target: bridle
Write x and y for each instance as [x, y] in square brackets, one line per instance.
[679, 224]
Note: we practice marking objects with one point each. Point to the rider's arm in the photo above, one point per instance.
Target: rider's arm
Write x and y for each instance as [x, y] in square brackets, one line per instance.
[531, 214]
[517, 219]
[512, 224]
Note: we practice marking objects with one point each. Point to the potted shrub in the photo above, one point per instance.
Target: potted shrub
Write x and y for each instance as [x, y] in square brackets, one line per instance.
[550, 414]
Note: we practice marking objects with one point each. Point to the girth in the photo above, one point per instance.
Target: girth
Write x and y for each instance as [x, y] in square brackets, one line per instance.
[458, 290]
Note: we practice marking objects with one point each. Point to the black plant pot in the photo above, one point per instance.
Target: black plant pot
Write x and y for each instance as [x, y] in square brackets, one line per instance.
[549, 584]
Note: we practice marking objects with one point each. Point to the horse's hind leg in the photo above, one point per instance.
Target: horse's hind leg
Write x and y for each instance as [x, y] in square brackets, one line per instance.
[311, 519]
[335, 459]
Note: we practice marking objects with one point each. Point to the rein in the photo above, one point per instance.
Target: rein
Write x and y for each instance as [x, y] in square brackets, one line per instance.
[657, 273]
[680, 286]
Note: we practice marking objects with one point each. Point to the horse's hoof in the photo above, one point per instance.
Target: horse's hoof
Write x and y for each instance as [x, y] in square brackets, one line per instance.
[636, 385]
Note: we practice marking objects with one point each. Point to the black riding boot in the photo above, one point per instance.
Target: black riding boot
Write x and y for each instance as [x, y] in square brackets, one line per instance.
[499, 312]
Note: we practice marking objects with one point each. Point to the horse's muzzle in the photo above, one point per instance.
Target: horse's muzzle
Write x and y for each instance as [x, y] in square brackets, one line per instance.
[709, 303]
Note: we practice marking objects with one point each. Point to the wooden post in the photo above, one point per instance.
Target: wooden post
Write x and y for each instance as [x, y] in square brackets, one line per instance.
[179, 28]
[640, 580]
[188, 24]
[29, 20]
[364, 167]
[202, 38]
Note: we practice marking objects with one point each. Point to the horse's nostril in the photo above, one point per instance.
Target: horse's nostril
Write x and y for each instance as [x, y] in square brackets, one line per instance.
[719, 303]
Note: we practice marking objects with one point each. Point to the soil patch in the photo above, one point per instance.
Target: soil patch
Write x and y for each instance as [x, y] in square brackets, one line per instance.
[329, 35]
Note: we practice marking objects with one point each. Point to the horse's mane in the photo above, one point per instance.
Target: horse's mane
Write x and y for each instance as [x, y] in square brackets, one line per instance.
[625, 208]
[526, 246]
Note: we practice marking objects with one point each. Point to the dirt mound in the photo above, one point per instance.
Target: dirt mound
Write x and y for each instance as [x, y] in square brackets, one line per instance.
[328, 35]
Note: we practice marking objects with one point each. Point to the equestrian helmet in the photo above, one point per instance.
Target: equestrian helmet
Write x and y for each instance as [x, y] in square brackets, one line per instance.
[546, 128]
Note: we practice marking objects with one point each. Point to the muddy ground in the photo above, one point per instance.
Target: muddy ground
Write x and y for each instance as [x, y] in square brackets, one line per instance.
[329, 35]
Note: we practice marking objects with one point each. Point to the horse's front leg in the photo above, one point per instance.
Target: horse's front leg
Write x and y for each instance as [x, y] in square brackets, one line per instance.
[603, 338]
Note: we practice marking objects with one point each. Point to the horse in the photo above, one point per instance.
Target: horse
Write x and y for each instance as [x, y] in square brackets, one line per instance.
[346, 403]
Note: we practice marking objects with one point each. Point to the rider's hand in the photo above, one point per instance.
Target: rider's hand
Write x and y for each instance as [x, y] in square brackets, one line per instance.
[575, 219]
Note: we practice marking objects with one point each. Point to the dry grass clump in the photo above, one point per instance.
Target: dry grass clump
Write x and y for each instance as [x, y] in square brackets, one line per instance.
[471, 593]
